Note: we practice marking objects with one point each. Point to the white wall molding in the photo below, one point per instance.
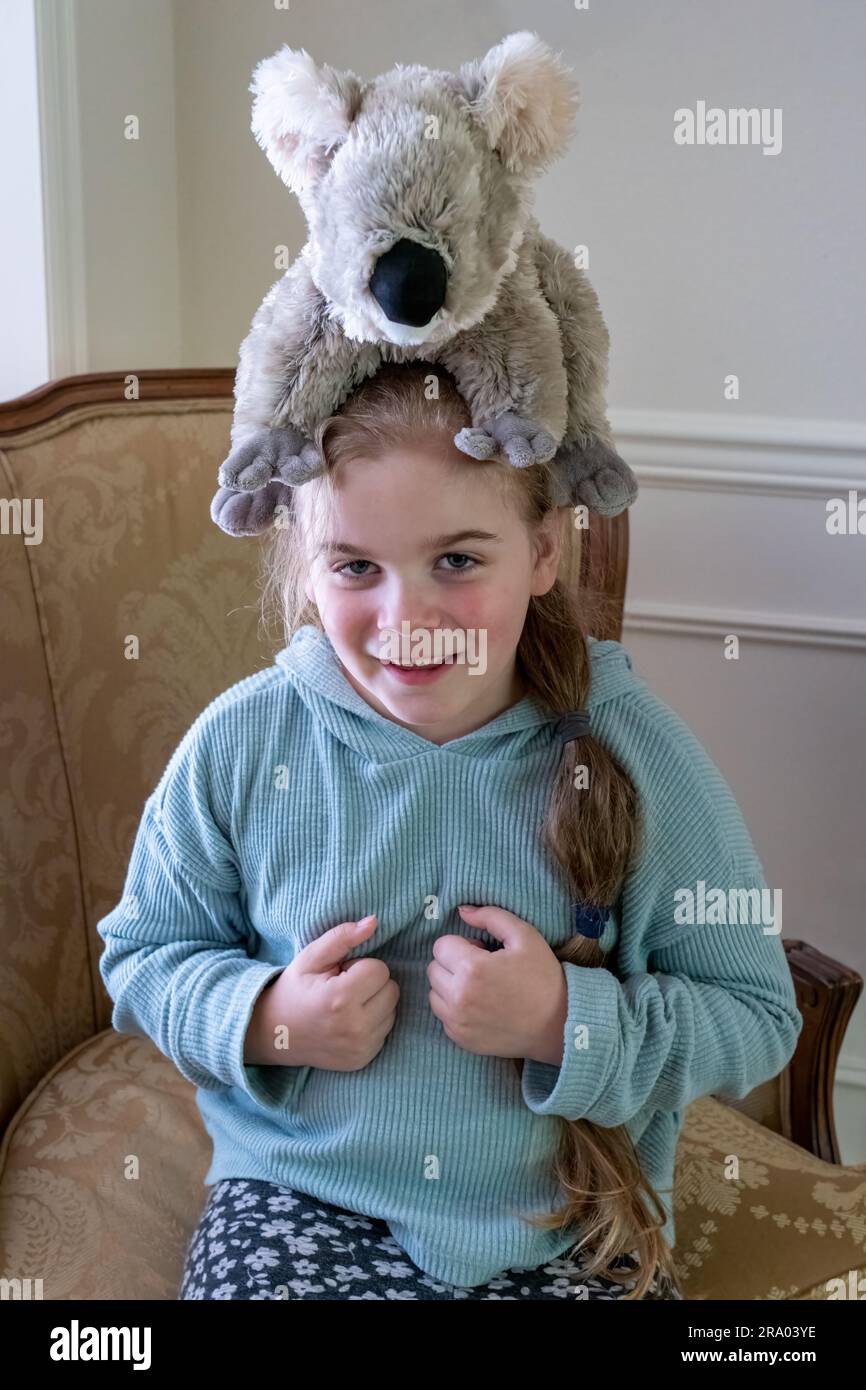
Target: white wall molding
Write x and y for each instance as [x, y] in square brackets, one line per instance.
[684, 621]
[743, 453]
[62, 183]
[748, 455]
[851, 1073]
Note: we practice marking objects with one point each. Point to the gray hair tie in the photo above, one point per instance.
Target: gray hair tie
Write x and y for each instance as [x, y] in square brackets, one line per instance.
[573, 725]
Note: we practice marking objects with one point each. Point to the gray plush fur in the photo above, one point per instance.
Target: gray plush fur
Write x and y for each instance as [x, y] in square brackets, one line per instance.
[519, 327]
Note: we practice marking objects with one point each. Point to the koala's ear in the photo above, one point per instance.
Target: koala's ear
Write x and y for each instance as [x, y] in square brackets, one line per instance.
[525, 98]
[301, 113]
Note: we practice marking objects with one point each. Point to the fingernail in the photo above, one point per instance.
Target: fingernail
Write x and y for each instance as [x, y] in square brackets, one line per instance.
[364, 920]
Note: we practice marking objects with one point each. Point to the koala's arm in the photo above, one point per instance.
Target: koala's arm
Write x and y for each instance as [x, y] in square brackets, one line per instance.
[534, 372]
[584, 336]
[510, 363]
[295, 365]
[588, 468]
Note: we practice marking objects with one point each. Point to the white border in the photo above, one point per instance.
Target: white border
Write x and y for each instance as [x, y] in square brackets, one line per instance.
[62, 181]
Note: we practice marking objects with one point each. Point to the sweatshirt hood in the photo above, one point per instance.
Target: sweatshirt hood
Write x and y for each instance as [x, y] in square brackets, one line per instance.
[311, 664]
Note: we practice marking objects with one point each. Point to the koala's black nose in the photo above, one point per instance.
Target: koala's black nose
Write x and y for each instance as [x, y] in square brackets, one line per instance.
[409, 282]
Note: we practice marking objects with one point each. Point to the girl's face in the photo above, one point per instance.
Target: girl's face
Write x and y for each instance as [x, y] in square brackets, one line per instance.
[414, 541]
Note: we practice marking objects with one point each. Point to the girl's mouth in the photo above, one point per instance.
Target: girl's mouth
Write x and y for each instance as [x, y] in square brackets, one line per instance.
[416, 675]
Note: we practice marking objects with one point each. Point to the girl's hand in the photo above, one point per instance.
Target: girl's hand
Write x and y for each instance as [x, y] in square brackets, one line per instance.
[507, 1003]
[336, 1013]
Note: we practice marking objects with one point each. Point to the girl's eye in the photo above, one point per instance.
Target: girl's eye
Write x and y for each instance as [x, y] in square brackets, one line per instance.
[343, 568]
[471, 564]
[456, 555]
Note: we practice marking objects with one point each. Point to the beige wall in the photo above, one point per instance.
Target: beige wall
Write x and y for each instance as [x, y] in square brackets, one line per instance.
[132, 213]
[706, 260]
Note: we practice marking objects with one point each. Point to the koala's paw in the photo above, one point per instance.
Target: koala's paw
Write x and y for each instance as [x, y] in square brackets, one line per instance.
[249, 513]
[595, 476]
[477, 443]
[281, 452]
[523, 442]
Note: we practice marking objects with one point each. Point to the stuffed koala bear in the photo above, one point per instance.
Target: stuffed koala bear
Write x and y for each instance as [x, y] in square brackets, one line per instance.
[416, 188]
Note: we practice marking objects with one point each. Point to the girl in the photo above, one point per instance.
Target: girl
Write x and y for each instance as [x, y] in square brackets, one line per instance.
[415, 921]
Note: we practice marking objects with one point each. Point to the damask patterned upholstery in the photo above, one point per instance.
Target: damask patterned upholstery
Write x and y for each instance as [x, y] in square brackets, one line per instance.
[104, 1152]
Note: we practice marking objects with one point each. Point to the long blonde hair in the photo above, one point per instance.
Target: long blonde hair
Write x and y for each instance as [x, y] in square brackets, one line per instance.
[592, 833]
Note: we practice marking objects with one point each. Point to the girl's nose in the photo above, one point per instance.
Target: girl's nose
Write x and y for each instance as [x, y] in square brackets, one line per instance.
[410, 604]
[407, 613]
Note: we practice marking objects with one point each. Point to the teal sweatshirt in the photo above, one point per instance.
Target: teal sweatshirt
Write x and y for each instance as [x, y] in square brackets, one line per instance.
[291, 805]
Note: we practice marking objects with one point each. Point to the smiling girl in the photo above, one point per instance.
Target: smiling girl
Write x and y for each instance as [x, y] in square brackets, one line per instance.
[411, 932]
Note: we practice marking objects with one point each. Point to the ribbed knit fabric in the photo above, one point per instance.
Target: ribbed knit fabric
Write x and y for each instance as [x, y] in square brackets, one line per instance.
[291, 805]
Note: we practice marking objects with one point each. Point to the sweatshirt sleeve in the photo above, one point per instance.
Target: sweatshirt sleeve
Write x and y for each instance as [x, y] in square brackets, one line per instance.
[714, 1010]
[177, 957]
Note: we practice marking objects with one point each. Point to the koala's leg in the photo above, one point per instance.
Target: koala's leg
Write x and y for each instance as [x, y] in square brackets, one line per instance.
[588, 468]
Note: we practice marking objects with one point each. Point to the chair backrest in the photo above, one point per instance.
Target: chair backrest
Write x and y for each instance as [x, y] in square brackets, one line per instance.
[127, 551]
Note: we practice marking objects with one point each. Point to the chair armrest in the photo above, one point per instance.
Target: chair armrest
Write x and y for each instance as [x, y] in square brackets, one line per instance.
[827, 991]
[798, 1102]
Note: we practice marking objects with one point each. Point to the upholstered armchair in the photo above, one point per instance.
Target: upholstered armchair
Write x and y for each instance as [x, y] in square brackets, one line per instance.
[106, 532]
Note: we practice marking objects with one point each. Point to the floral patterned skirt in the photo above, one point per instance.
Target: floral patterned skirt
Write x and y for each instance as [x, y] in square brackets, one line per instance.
[257, 1240]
